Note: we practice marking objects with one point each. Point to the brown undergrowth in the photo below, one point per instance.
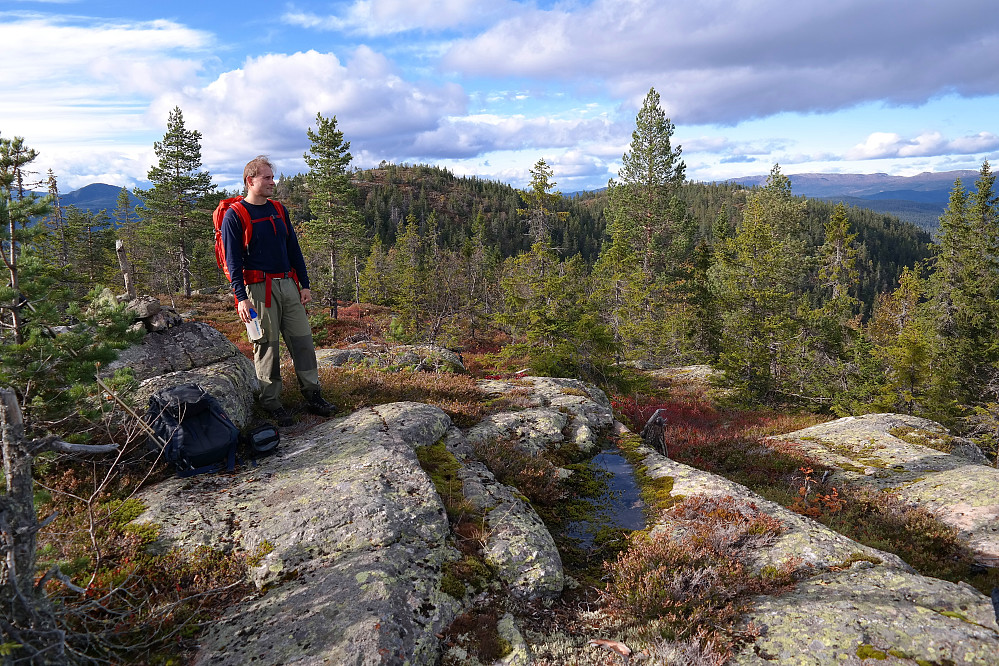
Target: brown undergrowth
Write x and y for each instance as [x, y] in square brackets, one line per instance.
[137, 605]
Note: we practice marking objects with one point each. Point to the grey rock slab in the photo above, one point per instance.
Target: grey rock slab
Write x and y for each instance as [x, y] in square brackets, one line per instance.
[804, 540]
[517, 544]
[555, 410]
[190, 345]
[533, 430]
[828, 619]
[335, 358]
[358, 540]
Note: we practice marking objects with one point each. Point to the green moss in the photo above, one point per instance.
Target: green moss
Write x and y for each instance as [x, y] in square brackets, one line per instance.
[147, 532]
[857, 557]
[452, 586]
[258, 555]
[122, 512]
[865, 651]
[443, 468]
[955, 615]
[932, 440]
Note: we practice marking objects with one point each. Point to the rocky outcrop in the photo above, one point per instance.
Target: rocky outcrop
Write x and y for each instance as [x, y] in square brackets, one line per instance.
[553, 413]
[517, 544]
[353, 546]
[425, 358]
[192, 352]
[853, 601]
[356, 540]
[920, 462]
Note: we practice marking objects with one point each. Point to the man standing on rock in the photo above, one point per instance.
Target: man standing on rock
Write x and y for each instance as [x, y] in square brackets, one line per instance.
[269, 275]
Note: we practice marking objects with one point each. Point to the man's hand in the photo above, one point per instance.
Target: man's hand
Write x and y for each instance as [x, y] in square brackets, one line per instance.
[306, 296]
[243, 308]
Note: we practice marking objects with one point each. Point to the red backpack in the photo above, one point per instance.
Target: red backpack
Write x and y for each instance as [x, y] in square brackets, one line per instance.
[236, 203]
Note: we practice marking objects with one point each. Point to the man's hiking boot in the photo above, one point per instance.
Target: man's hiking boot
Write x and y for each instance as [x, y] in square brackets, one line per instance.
[282, 417]
[315, 403]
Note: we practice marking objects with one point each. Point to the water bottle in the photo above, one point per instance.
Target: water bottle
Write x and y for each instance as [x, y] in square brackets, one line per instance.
[253, 330]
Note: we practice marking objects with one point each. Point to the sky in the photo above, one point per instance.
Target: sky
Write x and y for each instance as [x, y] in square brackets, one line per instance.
[488, 87]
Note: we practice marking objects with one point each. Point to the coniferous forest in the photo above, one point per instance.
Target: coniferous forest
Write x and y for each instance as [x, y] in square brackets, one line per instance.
[802, 305]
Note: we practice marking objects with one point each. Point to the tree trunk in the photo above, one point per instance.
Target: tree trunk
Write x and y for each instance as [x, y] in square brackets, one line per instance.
[126, 268]
[334, 291]
[26, 617]
[185, 270]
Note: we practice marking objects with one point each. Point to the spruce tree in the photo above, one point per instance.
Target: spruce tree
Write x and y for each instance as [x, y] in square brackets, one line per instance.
[177, 222]
[759, 279]
[543, 202]
[335, 226]
[903, 345]
[964, 291]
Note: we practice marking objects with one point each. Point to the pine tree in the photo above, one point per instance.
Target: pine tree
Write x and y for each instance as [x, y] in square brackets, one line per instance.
[17, 209]
[335, 226]
[46, 380]
[644, 272]
[644, 201]
[178, 223]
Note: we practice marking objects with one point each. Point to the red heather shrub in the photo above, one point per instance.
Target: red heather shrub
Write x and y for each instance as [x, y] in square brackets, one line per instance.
[694, 578]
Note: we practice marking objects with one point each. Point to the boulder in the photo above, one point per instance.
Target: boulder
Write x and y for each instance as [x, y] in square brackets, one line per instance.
[425, 358]
[355, 540]
[556, 411]
[192, 352]
[919, 461]
[517, 544]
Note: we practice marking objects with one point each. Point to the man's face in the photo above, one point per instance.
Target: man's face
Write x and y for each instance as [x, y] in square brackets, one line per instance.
[262, 184]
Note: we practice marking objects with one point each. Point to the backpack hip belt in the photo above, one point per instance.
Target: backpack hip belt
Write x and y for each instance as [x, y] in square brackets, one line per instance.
[255, 277]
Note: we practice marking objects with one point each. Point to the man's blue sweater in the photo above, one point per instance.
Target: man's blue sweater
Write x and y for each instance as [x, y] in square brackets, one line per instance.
[273, 246]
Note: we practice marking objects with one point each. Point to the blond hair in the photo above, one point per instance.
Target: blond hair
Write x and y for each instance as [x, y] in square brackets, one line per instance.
[253, 167]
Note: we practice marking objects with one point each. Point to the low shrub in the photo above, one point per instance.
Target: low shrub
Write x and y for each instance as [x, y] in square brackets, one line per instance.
[692, 580]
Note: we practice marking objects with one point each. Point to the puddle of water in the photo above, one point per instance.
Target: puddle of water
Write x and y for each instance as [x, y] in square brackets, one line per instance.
[619, 506]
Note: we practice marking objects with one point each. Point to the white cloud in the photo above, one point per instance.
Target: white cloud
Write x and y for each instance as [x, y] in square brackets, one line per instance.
[881, 145]
[102, 58]
[388, 17]
[266, 106]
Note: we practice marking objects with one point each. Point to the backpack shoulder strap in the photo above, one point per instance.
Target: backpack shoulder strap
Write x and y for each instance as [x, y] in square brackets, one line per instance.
[282, 213]
[244, 217]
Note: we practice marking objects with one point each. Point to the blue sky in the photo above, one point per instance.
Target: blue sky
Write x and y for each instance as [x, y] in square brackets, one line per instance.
[488, 87]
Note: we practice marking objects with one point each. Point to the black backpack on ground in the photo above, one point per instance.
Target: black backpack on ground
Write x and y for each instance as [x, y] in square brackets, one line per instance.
[192, 429]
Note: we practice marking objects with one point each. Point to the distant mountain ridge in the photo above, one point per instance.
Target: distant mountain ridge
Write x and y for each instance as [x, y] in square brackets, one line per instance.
[96, 197]
[919, 199]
